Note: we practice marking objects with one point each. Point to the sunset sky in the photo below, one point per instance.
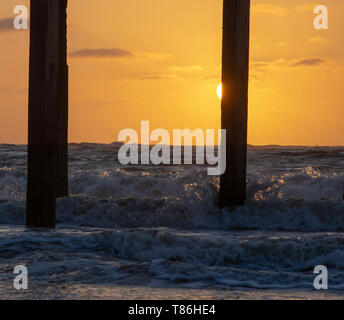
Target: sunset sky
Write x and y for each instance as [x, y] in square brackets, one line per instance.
[160, 60]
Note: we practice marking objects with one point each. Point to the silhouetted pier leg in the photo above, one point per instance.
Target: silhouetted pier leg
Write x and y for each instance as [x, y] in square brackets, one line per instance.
[235, 68]
[44, 113]
[62, 156]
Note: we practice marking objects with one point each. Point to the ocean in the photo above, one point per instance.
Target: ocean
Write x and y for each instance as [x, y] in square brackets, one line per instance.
[155, 232]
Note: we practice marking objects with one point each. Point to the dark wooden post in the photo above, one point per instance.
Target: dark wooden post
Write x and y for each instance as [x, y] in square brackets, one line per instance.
[45, 124]
[235, 70]
[62, 154]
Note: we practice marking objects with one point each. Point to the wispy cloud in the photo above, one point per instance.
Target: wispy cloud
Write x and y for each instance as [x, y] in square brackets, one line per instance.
[6, 24]
[152, 56]
[317, 40]
[115, 53]
[266, 64]
[259, 65]
[305, 7]
[259, 68]
[176, 72]
[271, 9]
[308, 62]
[184, 69]
[102, 53]
[157, 77]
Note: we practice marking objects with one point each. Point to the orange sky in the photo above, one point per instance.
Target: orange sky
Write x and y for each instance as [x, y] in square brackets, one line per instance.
[163, 64]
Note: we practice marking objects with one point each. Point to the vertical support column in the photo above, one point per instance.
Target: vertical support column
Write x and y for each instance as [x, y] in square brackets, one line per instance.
[43, 113]
[62, 152]
[235, 70]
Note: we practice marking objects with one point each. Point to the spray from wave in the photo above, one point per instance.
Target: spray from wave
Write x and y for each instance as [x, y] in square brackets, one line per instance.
[162, 222]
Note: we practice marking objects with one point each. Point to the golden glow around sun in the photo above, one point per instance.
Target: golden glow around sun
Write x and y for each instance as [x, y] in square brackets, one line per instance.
[219, 91]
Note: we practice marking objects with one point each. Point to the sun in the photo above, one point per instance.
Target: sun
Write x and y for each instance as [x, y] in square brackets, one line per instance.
[219, 91]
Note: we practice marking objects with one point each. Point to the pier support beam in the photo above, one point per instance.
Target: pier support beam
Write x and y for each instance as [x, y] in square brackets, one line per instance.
[48, 111]
[235, 71]
[62, 155]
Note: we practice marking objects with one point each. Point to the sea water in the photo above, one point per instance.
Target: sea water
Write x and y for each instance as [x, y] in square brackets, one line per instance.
[156, 232]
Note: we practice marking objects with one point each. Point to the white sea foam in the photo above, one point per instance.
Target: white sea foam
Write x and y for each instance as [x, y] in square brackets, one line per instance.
[161, 224]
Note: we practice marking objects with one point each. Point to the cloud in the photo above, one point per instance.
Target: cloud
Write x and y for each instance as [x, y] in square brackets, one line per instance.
[6, 24]
[261, 65]
[116, 53]
[259, 68]
[317, 40]
[264, 64]
[152, 56]
[184, 69]
[275, 10]
[158, 77]
[308, 62]
[102, 53]
[175, 72]
[306, 7]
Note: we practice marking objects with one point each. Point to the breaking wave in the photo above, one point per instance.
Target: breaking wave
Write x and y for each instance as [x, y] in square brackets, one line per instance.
[163, 223]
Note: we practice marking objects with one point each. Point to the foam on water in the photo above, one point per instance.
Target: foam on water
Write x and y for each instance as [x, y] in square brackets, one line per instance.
[161, 224]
